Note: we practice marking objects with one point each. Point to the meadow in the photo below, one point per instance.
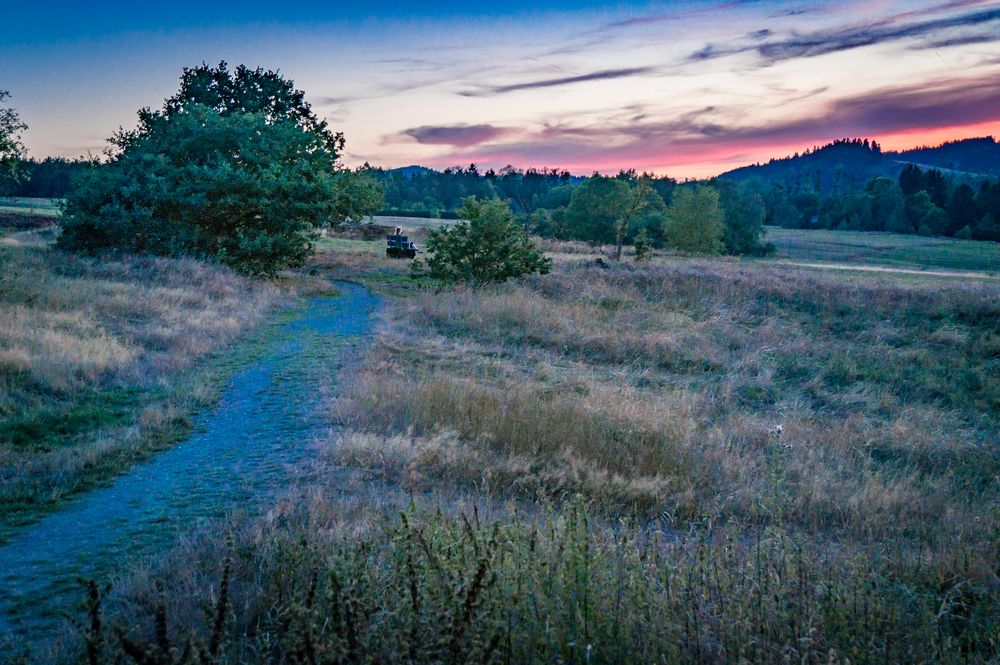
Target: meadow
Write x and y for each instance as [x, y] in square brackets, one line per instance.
[101, 362]
[689, 460]
[892, 250]
[32, 207]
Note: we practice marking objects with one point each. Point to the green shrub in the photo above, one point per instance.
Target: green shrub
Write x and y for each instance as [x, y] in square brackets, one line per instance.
[486, 247]
[695, 221]
[643, 245]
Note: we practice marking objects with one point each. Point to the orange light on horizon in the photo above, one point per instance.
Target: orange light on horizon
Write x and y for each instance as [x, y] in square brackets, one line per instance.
[719, 159]
[919, 137]
[709, 160]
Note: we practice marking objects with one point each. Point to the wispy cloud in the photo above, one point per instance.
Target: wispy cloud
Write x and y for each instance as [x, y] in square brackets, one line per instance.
[710, 132]
[456, 135]
[674, 15]
[601, 75]
[332, 101]
[822, 42]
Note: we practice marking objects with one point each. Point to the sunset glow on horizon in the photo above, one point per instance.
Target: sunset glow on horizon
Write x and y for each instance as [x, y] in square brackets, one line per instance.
[690, 89]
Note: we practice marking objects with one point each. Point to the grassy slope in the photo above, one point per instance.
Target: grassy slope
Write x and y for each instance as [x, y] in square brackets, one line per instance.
[769, 463]
[96, 360]
[885, 249]
[30, 206]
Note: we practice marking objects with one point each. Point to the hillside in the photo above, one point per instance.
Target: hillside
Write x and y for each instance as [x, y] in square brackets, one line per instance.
[412, 170]
[980, 156]
[852, 162]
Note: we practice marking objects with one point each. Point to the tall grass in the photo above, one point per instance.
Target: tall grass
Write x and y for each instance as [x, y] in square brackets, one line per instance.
[433, 587]
[694, 462]
[90, 351]
[704, 390]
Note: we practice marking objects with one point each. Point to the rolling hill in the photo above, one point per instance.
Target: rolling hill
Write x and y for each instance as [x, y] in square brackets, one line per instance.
[852, 162]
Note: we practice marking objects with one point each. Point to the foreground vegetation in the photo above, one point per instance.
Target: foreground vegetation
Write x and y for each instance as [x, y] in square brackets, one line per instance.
[686, 461]
[94, 362]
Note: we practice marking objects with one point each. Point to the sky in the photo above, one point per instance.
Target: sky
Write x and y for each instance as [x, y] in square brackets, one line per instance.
[688, 89]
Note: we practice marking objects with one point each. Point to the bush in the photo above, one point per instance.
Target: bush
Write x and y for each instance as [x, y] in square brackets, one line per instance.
[695, 221]
[486, 247]
[246, 183]
[643, 245]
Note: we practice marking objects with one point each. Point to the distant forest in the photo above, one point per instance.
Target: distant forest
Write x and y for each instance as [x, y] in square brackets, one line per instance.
[850, 184]
[50, 178]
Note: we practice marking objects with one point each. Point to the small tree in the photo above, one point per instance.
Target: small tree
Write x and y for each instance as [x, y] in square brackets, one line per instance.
[11, 148]
[641, 198]
[744, 214]
[487, 246]
[987, 229]
[595, 209]
[935, 222]
[695, 221]
[643, 245]
[604, 209]
[961, 209]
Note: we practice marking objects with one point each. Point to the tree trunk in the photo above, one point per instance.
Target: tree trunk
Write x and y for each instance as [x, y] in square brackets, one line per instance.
[620, 239]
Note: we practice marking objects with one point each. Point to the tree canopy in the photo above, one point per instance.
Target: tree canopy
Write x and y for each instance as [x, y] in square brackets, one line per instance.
[612, 210]
[11, 148]
[695, 222]
[744, 214]
[234, 168]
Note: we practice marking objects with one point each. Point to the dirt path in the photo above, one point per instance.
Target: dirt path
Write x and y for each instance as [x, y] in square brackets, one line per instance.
[241, 452]
[901, 271]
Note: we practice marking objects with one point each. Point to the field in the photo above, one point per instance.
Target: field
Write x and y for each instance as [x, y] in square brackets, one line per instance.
[689, 459]
[95, 359]
[892, 250]
[30, 206]
[701, 460]
[412, 223]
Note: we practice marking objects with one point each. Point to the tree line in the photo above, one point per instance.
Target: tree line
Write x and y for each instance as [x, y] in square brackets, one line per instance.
[237, 168]
[49, 178]
[918, 201]
[609, 210]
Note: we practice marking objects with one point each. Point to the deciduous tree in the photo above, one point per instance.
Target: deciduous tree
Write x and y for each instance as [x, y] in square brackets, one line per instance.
[11, 148]
[744, 214]
[695, 222]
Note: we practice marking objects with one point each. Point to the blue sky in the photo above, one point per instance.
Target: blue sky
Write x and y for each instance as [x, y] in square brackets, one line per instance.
[688, 88]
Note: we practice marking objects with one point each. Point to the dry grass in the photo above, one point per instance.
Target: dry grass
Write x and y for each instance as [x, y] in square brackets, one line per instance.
[695, 461]
[701, 390]
[89, 354]
[331, 574]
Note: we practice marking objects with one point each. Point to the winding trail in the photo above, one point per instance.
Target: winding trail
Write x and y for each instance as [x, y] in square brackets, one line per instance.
[240, 453]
